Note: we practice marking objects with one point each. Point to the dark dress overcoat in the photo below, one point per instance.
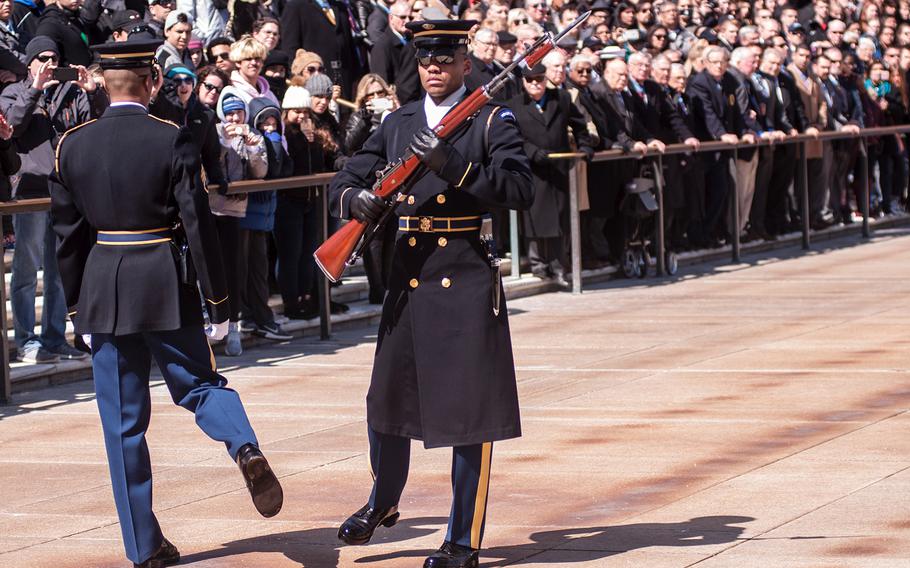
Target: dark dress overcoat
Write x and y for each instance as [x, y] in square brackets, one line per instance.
[546, 131]
[443, 370]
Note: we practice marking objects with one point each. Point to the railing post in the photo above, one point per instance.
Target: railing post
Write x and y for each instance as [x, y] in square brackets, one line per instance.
[325, 292]
[575, 225]
[804, 192]
[514, 244]
[864, 173]
[735, 207]
[6, 385]
[661, 236]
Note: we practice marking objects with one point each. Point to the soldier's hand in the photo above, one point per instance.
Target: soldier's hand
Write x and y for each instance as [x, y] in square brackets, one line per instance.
[440, 157]
[366, 206]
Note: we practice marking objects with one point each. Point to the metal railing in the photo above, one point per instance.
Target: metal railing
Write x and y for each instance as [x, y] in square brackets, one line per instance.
[318, 183]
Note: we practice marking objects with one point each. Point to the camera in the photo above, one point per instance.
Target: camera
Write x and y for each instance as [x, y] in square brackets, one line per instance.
[632, 36]
[381, 105]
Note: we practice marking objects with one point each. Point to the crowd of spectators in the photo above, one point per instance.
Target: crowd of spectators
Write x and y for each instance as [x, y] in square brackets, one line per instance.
[273, 88]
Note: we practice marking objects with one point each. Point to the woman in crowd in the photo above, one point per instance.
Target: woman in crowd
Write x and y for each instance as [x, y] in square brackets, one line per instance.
[657, 40]
[243, 156]
[249, 56]
[211, 81]
[374, 101]
[306, 64]
[196, 51]
[320, 89]
[268, 31]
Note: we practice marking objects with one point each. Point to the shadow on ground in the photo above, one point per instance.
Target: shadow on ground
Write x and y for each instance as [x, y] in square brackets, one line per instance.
[319, 547]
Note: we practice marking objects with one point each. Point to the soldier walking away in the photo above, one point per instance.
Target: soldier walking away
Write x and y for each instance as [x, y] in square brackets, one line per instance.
[443, 370]
[121, 186]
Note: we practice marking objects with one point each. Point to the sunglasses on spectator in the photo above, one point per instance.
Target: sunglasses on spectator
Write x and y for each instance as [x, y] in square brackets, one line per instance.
[254, 60]
[519, 21]
[407, 17]
[536, 79]
[314, 69]
[583, 71]
[438, 59]
[659, 36]
[212, 87]
[223, 56]
[46, 58]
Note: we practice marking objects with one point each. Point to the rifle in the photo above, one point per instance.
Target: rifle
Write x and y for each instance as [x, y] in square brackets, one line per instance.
[395, 181]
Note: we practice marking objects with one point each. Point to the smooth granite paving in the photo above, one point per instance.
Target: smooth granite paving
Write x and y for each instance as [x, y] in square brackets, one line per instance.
[736, 416]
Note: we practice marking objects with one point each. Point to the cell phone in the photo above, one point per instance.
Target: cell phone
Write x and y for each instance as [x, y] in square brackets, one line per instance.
[632, 36]
[64, 74]
[382, 105]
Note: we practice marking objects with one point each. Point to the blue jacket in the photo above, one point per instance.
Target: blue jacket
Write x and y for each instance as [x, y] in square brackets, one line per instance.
[261, 205]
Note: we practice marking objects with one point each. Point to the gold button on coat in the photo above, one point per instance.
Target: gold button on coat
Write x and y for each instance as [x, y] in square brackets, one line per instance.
[413, 283]
[412, 241]
[446, 282]
[443, 241]
[411, 200]
[440, 199]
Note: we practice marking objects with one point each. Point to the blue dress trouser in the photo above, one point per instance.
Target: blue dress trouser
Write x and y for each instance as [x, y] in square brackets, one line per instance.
[121, 366]
[389, 459]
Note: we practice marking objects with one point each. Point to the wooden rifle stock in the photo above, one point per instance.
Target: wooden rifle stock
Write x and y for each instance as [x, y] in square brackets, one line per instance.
[338, 250]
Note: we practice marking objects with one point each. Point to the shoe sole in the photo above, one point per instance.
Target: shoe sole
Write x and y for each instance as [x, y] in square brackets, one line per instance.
[263, 486]
[388, 522]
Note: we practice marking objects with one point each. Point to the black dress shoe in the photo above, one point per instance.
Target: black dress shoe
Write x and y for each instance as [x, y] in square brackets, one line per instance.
[260, 480]
[167, 555]
[359, 527]
[451, 555]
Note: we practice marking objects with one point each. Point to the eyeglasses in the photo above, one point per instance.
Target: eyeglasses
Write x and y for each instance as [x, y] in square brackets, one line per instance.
[46, 58]
[184, 79]
[438, 59]
[212, 87]
[223, 56]
[537, 79]
[583, 71]
[311, 69]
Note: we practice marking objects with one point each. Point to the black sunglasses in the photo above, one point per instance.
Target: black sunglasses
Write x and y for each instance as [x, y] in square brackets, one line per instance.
[536, 79]
[438, 59]
[211, 87]
[315, 69]
[223, 56]
[46, 58]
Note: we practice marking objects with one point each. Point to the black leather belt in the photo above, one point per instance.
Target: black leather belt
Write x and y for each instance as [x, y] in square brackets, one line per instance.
[439, 224]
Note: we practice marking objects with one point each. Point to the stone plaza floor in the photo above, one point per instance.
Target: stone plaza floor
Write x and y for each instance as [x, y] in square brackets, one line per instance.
[734, 416]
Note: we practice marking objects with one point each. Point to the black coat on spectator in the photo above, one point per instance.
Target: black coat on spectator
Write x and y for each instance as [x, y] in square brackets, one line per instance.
[357, 129]
[378, 21]
[748, 106]
[443, 370]
[840, 110]
[794, 112]
[9, 165]
[67, 30]
[26, 14]
[130, 157]
[771, 114]
[38, 121]
[12, 56]
[481, 74]
[547, 131]
[714, 106]
[394, 60]
[659, 116]
[304, 25]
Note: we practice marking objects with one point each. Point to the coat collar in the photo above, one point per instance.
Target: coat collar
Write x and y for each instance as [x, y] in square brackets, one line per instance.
[125, 110]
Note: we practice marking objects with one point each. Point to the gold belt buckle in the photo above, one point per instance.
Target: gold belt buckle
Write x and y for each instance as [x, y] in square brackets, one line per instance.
[425, 225]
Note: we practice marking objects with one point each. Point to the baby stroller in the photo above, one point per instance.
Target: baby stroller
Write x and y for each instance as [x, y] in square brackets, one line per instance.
[639, 207]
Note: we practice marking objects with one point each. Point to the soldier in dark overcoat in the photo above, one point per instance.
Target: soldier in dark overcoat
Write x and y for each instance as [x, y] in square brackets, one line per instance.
[443, 370]
[545, 117]
[121, 186]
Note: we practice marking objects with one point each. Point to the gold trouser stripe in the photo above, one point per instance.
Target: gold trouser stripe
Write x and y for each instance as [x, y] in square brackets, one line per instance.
[212, 357]
[483, 487]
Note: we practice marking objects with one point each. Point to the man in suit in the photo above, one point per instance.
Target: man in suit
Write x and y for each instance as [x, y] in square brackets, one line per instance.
[712, 93]
[816, 108]
[545, 117]
[743, 63]
[448, 389]
[393, 56]
[325, 27]
[121, 187]
[483, 62]
[843, 117]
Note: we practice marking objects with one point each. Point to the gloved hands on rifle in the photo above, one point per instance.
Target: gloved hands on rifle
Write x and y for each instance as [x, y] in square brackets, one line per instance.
[366, 206]
[440, 157]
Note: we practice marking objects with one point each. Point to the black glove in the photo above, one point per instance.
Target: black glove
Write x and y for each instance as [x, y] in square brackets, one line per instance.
[588, 152]
[439, 156]
[541, 157]
[366, 206]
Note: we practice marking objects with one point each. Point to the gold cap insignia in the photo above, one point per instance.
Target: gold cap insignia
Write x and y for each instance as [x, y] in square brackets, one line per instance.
[429, 26]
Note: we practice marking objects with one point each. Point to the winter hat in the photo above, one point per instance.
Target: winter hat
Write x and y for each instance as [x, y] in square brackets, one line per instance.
[296, 97]
[303, 59]
[232, 103]
[194, 43]
[39, 45]
[319, 85]
[277, 57]
[179, 69]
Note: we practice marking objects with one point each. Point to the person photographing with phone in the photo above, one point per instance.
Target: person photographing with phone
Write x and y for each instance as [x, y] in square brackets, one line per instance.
[40, 108]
